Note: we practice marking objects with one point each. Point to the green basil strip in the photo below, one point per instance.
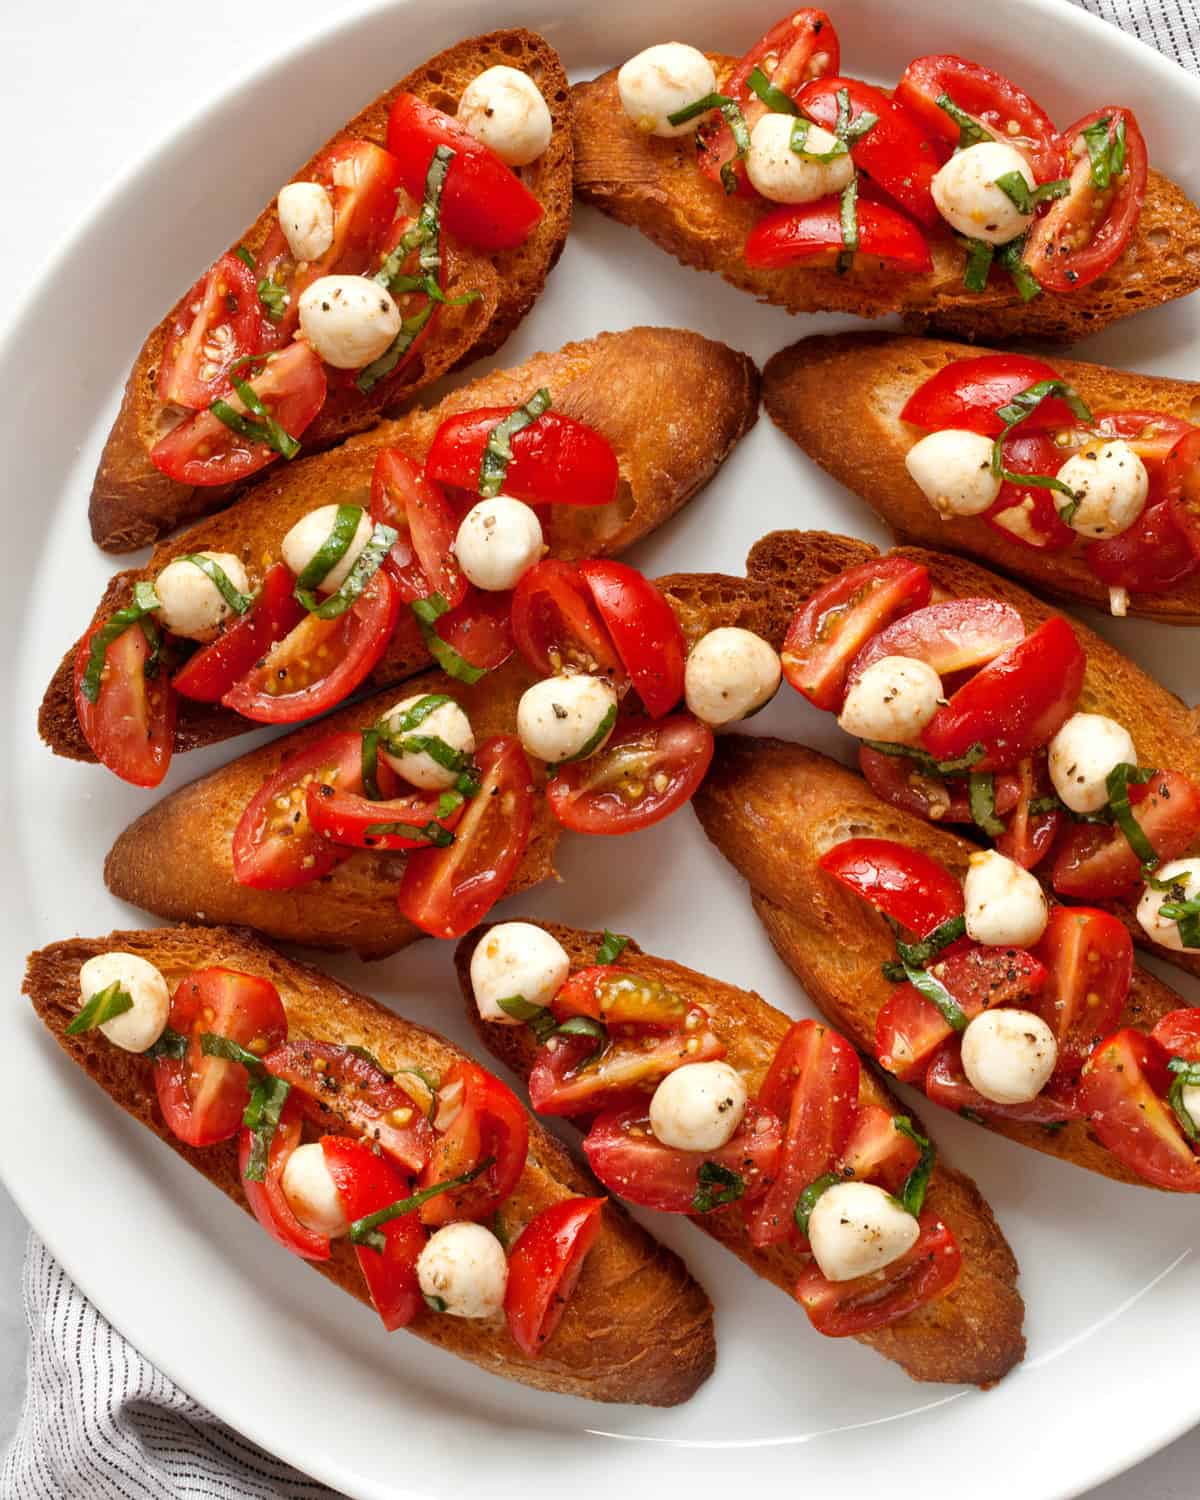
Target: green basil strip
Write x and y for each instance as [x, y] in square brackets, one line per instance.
[938, 995]
[926, 761]
[807, 1200]
[732, 112]
[775, 99]
[261, 1119]
[539, 1018]
[1024, 198]
[848, 219]
[213, 1045]
[970, 131]
[586, 1026]
[799, 144]
[1107, 157]
[1022, 406]
[1118, 782]
[333, 548]
[367, 1055]
[1012, 259]
[429, 217]
[497, 453]
[412, 718]
[410, 329]
[979, 263]
[238, 602]
[1045, 482]
[434, 1304]
[596, 739]
[611, 948]
[431, 1081]
[911, 1196]
[1042, 805]
[366, 565]
[716, 1186]
[428, 833]
[264, 430]
[432, 745]
[244, 256]
[982, 794]
[449, 802]
[145, 602]
[1187, 915]
[273, 298]
[428, 612]
[365, 1231]
[103, 1006]
[370, 765]
[1186, 1073]
[848, 131]
[917, 955]
[171, 1044]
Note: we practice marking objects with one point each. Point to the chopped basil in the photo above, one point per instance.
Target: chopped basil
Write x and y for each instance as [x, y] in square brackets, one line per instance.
[499, 1230]
[716, 1186]
[366, 565]
[1012, 259]
[1024, 198]
[732, 112]
[586, 1026]
[917, 955]
[1117, 783]
[171, 1044]
[449, 802]
[245, 256]
[1107, 156]
[595, 739]
[1022, 406]
[982, 796]
[274, 299]
[497, 452]
[103, 1006]
[263, 430]
[807, 1200]
[434, 1304]
[1187, 915]
[213, 1045]
[848, 131]
[431, 745]
[367, 1055]
[261, 1119]
[365, 1231]
[775, 99]
[979, 264]
[799, 143]
[428, 612]
[145, 602]
[1042, 805]
[970, 131]
[432, 833]
[848, 219]
[611, 948]
[237, 601]
[539, 1018]
[429, 215]
[912, 1195]
[926, 761]
[1187, 1074]
[370, 765]
[938, 995]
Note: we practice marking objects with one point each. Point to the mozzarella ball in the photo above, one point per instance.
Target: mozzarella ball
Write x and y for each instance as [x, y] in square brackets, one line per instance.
[559, 717]
[309, 535]
[730, 674]
[464, 1266]
[1110, 483]
[141, 1026]
[893, 700]
[661, 81]
[967, 197]
[498, 541]
[856, 1228]
[311, 1193]
[306, 217]
[1190, 1099]
[1008, 1055]
[505, 110]
[1082, 754]
[1005, 904]
[190, 603]
[1184, 875]
[516, 958]
[349, 320]
[447, 723]
[698, 1107]
[787, 176]
[953, 469]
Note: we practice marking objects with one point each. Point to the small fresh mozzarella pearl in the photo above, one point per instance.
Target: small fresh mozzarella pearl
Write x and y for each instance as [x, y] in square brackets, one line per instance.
[856, 1228]
[661, 81]
[349, 320]
[1005, 905]
[464, 1266]
[141, 1026]
[1184, 875]
[953, 469]
[698, 1107]
[448, 723]
[1110, 482]
[309, 535]
[1082, 754]
[730, 674]
[967, 197]
[516, 958]
[1008, 1055]
[1191, 1102]
[893, 700]
[498, 541]
[311, 1193]
[191, 603]
[787, 176]
[558, 717]
[505, 110]
[306, 217]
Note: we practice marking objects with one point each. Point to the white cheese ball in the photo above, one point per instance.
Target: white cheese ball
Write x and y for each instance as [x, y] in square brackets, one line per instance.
[787, 176]
[953, 469]
[698, 1107]
[1184, 874]
[141, 1026]
[309, 535]
[730, 674]
[516, 958]
[1008, 1055]
[505, 110]
[893, 701]
[349, 320]
[1081, 755]
[661, 81]
[558, 717]
[448, 723]
[464, 1266]
[191, 603]
[1110, 482]
[498, 541]
[967, 197]
[1005, 904]
[306, 217]
[1190, 1099]
[311, 1193]
[856, 1228]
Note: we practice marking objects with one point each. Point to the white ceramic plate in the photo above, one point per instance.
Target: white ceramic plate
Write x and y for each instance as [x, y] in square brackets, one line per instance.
[1109, 1273]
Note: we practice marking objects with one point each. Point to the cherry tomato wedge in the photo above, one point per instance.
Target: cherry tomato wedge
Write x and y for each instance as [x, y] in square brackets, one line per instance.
[131, 726]
[218, 323]
[904, 783]
[900, 882]
[348, 817]
[1026, 513]
[480, 629]
[1028, 836]
[544, 1266]
[422, 560]
[365, 1183]
[877, 1151]
[556, 623]
[1178, 1033]
[646, 772]
[555, 459]
[1122, 1094]
[947, 1084]
[1153, 435]
[477, 1117]
[644, 630]
[208, 675]
[1182, 484]
[619, 997]
[967, 393]
[275, 847]
[954, 635]
[266, 1198]
[840, 1309]
[1088, 955]
[1097, 863]
[1153, 556]
[790, 234]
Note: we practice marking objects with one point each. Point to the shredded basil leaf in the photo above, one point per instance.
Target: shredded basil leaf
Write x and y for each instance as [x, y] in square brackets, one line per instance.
[449, 802]
[1042, 805]
[926, 761]
[213, 1045]
[497, 452]
[171, 1044]
[237, 601]
[1117, 783]
[1107, 156]
[938, 995]
[432, 833]
[273, 298]
[1016, 411]
[982, 796]
[611, 948]
[263, 430]
[911, 1196]
[428, 612]
[586, 1026]
[370, 765]
[499, 1230]
[1186, 914]
[103, 1006]
[716, 1186]
[798, 142]
[970, 131]
[775, 99]
[732, 112]
[917, 955]
[244, 256]
[1012, 259]
[1186, 1074]
[261, 1119]
[980, 255]
[973, 1115]
[595, 739]
[365, 1231]
[807, 1200]
[852, 131]
[145, 602]
[848, 219]
[1026, 199]
[539, 1018]
[332, 549]
[366, 565]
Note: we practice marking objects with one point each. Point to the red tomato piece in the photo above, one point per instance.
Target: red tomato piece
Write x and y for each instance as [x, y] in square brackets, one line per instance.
[218, 323]
[1029, 835]
[556, 623]
[646, 772]
[555, 460]
[840, 1309]
[131, 726]
[1121, 1094]
[480, 628]
[813, 231]
[266, 1198]
[1026, 513]
[1178, 1033]
[1153, 556]
[947, 1084]
[1153, 435]
[955, 635]
[900, 882]
[619, 997]
[967, 393]
[347, 817]
[1096, 863]
[208, 675]
[1182, 484]
[477, 1117]
[422, 560]
[903, 783]
[544, 1266]
[877, 1151]
[644, 630]
[1089, 958]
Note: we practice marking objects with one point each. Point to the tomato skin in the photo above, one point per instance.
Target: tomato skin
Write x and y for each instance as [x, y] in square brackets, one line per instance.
[954, 635]
[344, 816]
[966, 393]
[1096, 863]
[1122, 1094]
[1026, 513]
[208, 675]
[1178, 1033]
[422, 560]
[1088, 955]
[1182, 484]
[266, 1199]
[841, 1309]
[613, 792]
[644, 630]
[902, 783]
[556, 623]
[947, 1084]
[480, 628]
[900, 882]
[1153, 556]
[131, 726]
[544, 1266]
[619, 997]
[218, 324]
[1028, 836]
[878, 1152]
[556, 460]
[483, 202]
[798, 232]
[487, 1120]
[366, 1183]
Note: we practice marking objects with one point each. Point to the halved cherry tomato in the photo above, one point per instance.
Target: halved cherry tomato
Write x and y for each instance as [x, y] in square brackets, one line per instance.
[1122, 1094]
[630, 1161]
[208, 675]
[555, 460]
[827, 633]
[967, 393]
[1153, 435]
[947, 1084]
[544, 1266]
[954, 635]
[422, 560]
[477, 1117]
[1015, 704]
[556, 623]
[900, 882]
[1182, 484]
[646, 772]
[480, 628]
[840, 1309]
[203, 1098]
[1178, 1033]
[1153, 556]
[1027, 513]
[131, 726]
[218, 323]
[1089, 958]
[877, 1151]
[1095, 862]
[1082, 235]
[906, 784]
[347, 817]
[447, 891]
[810, 230]
[619, 997]
[484, 202]
[1028, 835]
[267, 1199]
[644, 630]
[203, 451]
[365, 1183]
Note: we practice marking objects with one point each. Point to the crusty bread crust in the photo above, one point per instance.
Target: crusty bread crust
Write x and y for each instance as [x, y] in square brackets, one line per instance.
[972, 1335]
[655, 185]
[133, 503]
[637, 1328]
[671, 403]
[839, 398]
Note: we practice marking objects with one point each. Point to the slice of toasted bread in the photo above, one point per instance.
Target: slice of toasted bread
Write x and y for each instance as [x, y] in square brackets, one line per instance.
[839, 398]
[133, 503]
[637, 1327]
[671, 403]
[972, 1335]
[656, 186]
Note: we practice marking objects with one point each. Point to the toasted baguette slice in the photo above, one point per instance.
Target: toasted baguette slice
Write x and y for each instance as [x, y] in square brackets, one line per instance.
[839, 398]
[972, 1335]
[133, 503]
[637, 1328]
[773, 809]
[656, 186]
[671, 403]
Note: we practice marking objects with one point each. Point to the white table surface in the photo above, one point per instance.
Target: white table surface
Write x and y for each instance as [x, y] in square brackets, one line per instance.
[88, 89]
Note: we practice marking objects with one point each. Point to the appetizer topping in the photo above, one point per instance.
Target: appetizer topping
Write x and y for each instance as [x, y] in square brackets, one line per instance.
[504, 109]
[975, 192]
[349, 320]
[953, 469]
[516, 960]
[463, 1271]
[1083, 755]
[730, 674]
[125, 997]
[198, 594]
[1169, 910]
[1109, 485]
[793, 161]
[323, 546]
[698, 1107]
[662, 81]
[1004, 904]
[856, 1228]
[567, 718]
[1008, 1055]
[306, 217]
[311, 1192]
[893, 700]
[544, 1266]
[497, 543]
[427, 740]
